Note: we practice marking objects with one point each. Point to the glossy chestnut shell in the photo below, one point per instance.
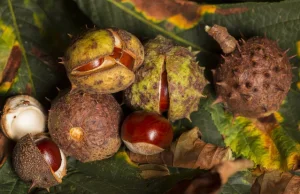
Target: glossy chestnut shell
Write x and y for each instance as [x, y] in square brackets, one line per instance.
[146, 133]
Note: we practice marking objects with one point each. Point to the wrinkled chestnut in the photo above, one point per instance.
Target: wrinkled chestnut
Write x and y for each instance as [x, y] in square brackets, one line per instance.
[90, 123]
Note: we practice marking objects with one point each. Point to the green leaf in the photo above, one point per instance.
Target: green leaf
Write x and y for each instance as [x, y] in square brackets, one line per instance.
[201, 119]
[32, 35]
[290, 112]
[9, 181]
[237, 184]
[114, 176]
[278, 21]
[35, 32]
[271, 147]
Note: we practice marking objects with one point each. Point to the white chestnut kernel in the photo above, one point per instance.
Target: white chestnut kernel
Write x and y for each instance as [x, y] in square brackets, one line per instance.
[22, 114]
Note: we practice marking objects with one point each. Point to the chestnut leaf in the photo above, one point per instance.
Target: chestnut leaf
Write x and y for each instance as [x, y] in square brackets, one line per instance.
[33, 34]
[10, 182]
[276, 182]
[268, 141]
[114, 175]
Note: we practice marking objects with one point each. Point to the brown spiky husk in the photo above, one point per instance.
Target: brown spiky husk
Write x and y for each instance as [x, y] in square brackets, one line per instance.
[254, 80]
[99, 118]
[30, 164]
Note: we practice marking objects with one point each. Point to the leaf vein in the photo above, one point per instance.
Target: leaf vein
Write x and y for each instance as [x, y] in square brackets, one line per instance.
[13, 186]
[279, 23]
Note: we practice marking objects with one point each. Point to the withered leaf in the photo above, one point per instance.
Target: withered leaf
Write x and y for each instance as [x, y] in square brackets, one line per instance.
[266, 141]
[4, 146]
[184, 12]
[211, 182]
[12, 66]
[181, 13]
[276, 182]
[189, 151]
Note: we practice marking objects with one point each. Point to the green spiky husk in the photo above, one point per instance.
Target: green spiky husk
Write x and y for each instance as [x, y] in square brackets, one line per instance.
[185, 79]
[90, 46]
[96, 44]
[104, 82]
[133, 45]
[185, 83]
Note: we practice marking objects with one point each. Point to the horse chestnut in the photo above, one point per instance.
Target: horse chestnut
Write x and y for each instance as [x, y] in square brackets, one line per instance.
[170, 80]
[86, 126]
[146, 133]
[50, 151]
[22, 114]
[164, 93]
[103, 61]
[37, 159]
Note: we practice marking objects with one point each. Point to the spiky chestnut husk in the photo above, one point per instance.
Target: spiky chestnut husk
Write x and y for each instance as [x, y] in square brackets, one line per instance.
[103, 61]
[31, 166]
[185, 79]
[255, 79]
[86, 126]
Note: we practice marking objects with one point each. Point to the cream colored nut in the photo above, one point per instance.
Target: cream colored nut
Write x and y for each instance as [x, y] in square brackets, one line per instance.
[22, 114]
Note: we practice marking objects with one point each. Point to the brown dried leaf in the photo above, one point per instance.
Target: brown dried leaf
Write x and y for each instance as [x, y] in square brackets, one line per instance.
[4, 146]
[229, 168]
[233, 10]
[276, 182]
[11, 68]
[181, 13]
[166, 157]
[211, 182]
[189, 151]
[161, 10]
